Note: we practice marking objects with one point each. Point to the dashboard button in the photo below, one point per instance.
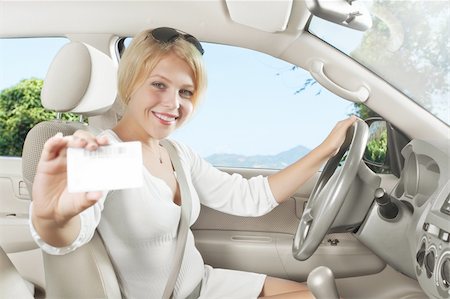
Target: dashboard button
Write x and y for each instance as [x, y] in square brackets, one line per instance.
[433, 230]
[444, 236]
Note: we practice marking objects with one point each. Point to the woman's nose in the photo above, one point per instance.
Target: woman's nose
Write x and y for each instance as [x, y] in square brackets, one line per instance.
[172, 100]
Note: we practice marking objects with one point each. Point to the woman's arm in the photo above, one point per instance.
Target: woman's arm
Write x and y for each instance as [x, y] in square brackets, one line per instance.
[228, 193]
[258, 195]
[286, 182]
[55, 211]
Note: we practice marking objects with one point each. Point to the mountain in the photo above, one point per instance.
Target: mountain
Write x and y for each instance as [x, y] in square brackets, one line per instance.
[277, 161]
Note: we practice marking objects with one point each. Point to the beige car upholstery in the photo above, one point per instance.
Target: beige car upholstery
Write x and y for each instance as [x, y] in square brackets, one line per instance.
[11, 283]
[84, 273]
[82, 80]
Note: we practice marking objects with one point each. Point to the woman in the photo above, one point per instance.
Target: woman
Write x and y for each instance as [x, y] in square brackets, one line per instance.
[161, 78]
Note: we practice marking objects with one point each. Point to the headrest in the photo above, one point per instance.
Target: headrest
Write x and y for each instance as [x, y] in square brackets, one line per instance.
[81, 79]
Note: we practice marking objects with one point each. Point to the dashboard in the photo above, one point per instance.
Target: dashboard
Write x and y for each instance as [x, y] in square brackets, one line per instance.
[425, 185]
[417, 241]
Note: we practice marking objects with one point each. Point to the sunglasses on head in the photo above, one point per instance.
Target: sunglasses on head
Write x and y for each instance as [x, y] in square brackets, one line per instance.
[169, 35]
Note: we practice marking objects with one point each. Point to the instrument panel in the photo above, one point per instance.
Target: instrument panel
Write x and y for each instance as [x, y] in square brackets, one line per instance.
[424, 185]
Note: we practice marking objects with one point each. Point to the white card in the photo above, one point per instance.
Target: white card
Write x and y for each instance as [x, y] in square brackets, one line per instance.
[111, 167]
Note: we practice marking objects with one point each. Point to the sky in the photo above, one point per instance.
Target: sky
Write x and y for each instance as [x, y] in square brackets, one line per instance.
[251, 106]
[25, 58]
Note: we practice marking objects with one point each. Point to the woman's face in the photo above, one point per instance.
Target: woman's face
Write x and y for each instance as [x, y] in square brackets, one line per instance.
[164, 101]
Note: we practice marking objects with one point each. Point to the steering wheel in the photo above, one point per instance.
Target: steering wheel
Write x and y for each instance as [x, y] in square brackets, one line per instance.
[329, 193]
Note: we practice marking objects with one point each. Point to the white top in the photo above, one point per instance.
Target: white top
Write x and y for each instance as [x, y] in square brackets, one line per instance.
[138, 226]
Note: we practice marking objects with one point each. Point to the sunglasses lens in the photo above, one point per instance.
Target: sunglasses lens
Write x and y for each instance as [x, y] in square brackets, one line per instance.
[165, 34]
[195, 42]
[168, 35]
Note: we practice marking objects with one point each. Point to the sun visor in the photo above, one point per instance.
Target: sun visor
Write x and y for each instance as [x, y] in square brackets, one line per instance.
[269, 16]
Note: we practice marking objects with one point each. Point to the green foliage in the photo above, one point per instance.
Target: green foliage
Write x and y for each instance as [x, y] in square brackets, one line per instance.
[376, 149]
[362, 111]
[20, 110]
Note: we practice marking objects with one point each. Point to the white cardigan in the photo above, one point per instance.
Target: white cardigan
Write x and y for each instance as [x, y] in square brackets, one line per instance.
[138, 227]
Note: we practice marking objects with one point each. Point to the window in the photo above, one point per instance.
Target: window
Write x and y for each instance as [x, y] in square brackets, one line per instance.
[259, 111]
[407, 46]
[23, 65]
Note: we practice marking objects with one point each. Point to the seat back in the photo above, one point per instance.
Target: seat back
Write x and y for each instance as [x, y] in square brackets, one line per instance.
[81, 80]
[84, 273]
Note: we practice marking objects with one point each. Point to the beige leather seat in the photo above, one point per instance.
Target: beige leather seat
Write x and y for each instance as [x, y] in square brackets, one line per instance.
[82, 80]
[12, 284]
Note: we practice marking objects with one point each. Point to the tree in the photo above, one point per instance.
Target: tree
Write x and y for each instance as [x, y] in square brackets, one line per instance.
[408, 44]
[20, 110]
[377, 147]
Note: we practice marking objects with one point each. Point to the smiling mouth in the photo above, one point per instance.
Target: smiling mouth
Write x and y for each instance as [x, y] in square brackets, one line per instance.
[165, 117]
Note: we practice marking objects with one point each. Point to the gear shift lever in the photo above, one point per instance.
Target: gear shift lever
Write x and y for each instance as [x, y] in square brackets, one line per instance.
[321, 283]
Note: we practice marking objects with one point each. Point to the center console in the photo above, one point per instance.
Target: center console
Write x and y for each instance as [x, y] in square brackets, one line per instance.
[433, 252]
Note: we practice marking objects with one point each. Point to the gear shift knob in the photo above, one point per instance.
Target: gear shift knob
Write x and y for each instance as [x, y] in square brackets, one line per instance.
[321, 283]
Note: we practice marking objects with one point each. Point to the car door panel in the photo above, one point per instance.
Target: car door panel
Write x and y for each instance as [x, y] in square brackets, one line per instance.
[15, 236]
[264, 244]
[14, 205]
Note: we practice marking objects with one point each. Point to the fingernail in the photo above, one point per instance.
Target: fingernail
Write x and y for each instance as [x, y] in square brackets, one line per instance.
[58, 135]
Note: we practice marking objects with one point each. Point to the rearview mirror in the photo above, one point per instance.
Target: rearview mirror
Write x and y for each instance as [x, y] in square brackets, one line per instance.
[348, 13]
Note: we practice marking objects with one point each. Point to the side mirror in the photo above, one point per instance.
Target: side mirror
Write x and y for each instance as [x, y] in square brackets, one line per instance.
[383, 151]
[348, 13]
[377, 146]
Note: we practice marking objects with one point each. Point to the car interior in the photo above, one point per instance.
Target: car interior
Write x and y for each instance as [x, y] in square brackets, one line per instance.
[382, 228]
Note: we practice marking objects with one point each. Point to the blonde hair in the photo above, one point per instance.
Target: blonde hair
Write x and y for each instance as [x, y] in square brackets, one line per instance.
[144, 53]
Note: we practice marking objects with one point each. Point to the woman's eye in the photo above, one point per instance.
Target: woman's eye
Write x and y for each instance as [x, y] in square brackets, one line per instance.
[158, 85]
[186, 93]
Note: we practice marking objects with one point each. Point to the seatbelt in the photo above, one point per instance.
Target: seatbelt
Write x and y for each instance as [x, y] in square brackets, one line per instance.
[185, 216]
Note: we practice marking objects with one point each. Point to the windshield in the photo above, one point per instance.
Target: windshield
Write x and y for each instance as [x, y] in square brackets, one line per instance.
[407, 46]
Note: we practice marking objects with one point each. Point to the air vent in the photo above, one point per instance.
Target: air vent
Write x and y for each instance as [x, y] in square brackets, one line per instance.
[429, 263]
[446, 206]
[445, 272]
[420, 256]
